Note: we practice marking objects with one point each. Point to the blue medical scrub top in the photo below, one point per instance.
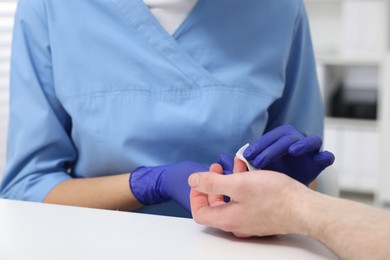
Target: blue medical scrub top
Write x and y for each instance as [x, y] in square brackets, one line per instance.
[98, 87]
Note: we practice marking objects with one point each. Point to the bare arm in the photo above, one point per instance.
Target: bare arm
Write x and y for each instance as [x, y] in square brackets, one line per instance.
[352, 230]
[268, 203]
[111, 192]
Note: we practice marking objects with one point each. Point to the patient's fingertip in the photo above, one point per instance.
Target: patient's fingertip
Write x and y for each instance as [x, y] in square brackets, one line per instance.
[193, 180]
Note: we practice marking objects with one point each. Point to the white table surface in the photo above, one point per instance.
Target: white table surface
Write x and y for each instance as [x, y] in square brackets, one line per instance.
[41, 231]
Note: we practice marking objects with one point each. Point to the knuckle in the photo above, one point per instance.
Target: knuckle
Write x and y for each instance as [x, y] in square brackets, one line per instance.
[316, 139]
[292, 138]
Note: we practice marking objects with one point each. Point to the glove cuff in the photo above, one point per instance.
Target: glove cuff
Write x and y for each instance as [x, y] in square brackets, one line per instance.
[144, 182]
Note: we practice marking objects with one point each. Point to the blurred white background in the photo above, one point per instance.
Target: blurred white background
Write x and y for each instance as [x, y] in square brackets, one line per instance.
[351, 41]
[7, 10]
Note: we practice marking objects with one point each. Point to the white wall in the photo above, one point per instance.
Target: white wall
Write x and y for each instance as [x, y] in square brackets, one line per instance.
[351, 40]
[7, 11]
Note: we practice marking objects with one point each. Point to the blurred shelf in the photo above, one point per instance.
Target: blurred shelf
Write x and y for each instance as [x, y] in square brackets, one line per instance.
[341, 60]
[323, 1]
[356, 189]
[366, 123]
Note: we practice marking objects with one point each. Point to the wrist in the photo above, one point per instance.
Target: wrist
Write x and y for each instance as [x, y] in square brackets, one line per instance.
[144, 183]
[300, 206]
[311, 207]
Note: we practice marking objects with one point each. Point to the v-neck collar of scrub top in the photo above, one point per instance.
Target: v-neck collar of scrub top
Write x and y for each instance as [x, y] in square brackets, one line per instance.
[144, 22]
[170, 13]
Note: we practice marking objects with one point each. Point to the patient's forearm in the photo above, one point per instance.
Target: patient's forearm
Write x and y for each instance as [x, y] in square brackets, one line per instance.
[352, 230]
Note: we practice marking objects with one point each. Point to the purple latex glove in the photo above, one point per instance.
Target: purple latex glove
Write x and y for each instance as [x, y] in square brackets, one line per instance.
[227, 163]
[286, 150]
[154, 185]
